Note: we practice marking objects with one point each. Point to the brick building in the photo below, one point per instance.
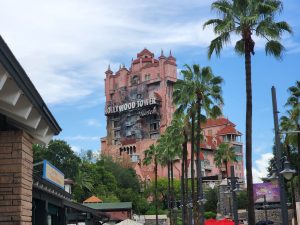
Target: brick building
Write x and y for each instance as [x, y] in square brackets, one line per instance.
[139, 107]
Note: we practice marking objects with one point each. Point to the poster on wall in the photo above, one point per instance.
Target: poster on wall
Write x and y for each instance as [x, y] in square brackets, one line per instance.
[270, 190]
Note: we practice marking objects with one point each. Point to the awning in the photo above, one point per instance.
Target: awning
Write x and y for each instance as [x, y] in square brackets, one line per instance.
[20, 102]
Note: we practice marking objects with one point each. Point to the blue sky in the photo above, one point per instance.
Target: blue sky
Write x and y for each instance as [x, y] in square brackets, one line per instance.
[66, 45]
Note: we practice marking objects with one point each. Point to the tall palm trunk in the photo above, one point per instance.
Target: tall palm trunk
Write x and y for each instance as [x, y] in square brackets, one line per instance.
[185, 174]
[173, 194]
[200, 219]
[183, 198]
[169, 192]
[226, 168]
[288, 154]
[186, 184]
[251, 212]
[194, 199]
[298, 136]
[156, 202]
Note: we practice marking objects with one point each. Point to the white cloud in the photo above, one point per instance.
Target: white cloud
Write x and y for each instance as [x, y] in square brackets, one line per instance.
[76, 149]
[93, 122]
[262, 147]
[82, 138]
[259, 169]
[65, 46]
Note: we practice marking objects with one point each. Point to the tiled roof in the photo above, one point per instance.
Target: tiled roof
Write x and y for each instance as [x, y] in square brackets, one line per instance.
[93, 199]
[145, 52]
[211, 142]
[110, 206]
[217, 122]
[228, 130]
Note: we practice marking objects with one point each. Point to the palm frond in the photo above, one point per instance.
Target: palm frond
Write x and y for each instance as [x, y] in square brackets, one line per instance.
[213, 22]
[217, 80]
[274, 48]
[239, 47]
[284, 26]
[218, 43]
[222, 7]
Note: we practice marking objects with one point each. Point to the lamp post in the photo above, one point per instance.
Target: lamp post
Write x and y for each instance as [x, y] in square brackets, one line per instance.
[278, 157]
[233, 188]
[265, 206]
[190, 207]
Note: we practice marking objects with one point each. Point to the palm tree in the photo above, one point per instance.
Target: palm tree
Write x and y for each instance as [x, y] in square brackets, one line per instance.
[169, 146]
[83, 182]
[287, 124]
[294, 115]
[177, 139]
[246, 18]
[152, 156]
[224, 155]
[200, 89]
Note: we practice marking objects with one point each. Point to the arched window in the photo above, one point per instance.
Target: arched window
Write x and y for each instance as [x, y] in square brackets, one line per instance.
[135, 80]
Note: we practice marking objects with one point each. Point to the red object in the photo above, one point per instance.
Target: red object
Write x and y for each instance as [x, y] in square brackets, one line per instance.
[219, 222]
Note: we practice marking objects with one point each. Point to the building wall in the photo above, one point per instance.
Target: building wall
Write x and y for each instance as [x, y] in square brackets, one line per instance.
[15, 178]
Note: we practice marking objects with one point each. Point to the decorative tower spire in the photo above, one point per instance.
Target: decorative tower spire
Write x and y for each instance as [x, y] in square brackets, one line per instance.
[108, 71]
[171, 57]
[162, 55]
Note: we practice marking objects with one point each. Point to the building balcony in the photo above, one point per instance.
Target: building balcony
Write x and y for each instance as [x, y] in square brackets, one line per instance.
[208, 167]
[171, 79]
[156, 80]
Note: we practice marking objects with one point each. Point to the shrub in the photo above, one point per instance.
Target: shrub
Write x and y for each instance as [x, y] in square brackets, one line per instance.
[210, 215]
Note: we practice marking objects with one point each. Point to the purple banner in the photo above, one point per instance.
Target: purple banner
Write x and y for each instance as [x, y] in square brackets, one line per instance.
[270, 190]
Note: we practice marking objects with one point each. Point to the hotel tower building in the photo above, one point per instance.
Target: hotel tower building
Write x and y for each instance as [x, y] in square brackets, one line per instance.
[139, 107]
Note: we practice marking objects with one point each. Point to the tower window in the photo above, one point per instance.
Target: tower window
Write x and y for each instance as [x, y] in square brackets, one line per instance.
[117, 134]
[135, 80]
[147, 77]
[154, 126]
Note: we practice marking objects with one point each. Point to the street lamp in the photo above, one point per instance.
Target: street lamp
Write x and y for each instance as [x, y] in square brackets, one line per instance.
[232, 187]
[287, 172]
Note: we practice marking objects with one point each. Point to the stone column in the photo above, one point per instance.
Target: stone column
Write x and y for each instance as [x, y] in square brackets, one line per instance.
[16, 165]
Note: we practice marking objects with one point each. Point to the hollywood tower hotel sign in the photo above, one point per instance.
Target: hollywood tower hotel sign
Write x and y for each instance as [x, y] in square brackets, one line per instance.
[138, 104]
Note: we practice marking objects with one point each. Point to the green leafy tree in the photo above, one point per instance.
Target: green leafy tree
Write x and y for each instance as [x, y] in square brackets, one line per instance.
[211, 195]
[242, 200]
[60, 154]
[247, 18]
[224, 155]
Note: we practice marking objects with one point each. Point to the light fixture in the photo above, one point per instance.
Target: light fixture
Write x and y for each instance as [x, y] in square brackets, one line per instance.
[202, 201]
[287, 172]
[273, 177]
[237, 187]
[189, 205]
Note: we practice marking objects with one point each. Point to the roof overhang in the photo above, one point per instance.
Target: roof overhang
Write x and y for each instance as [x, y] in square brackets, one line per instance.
[21, 103]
